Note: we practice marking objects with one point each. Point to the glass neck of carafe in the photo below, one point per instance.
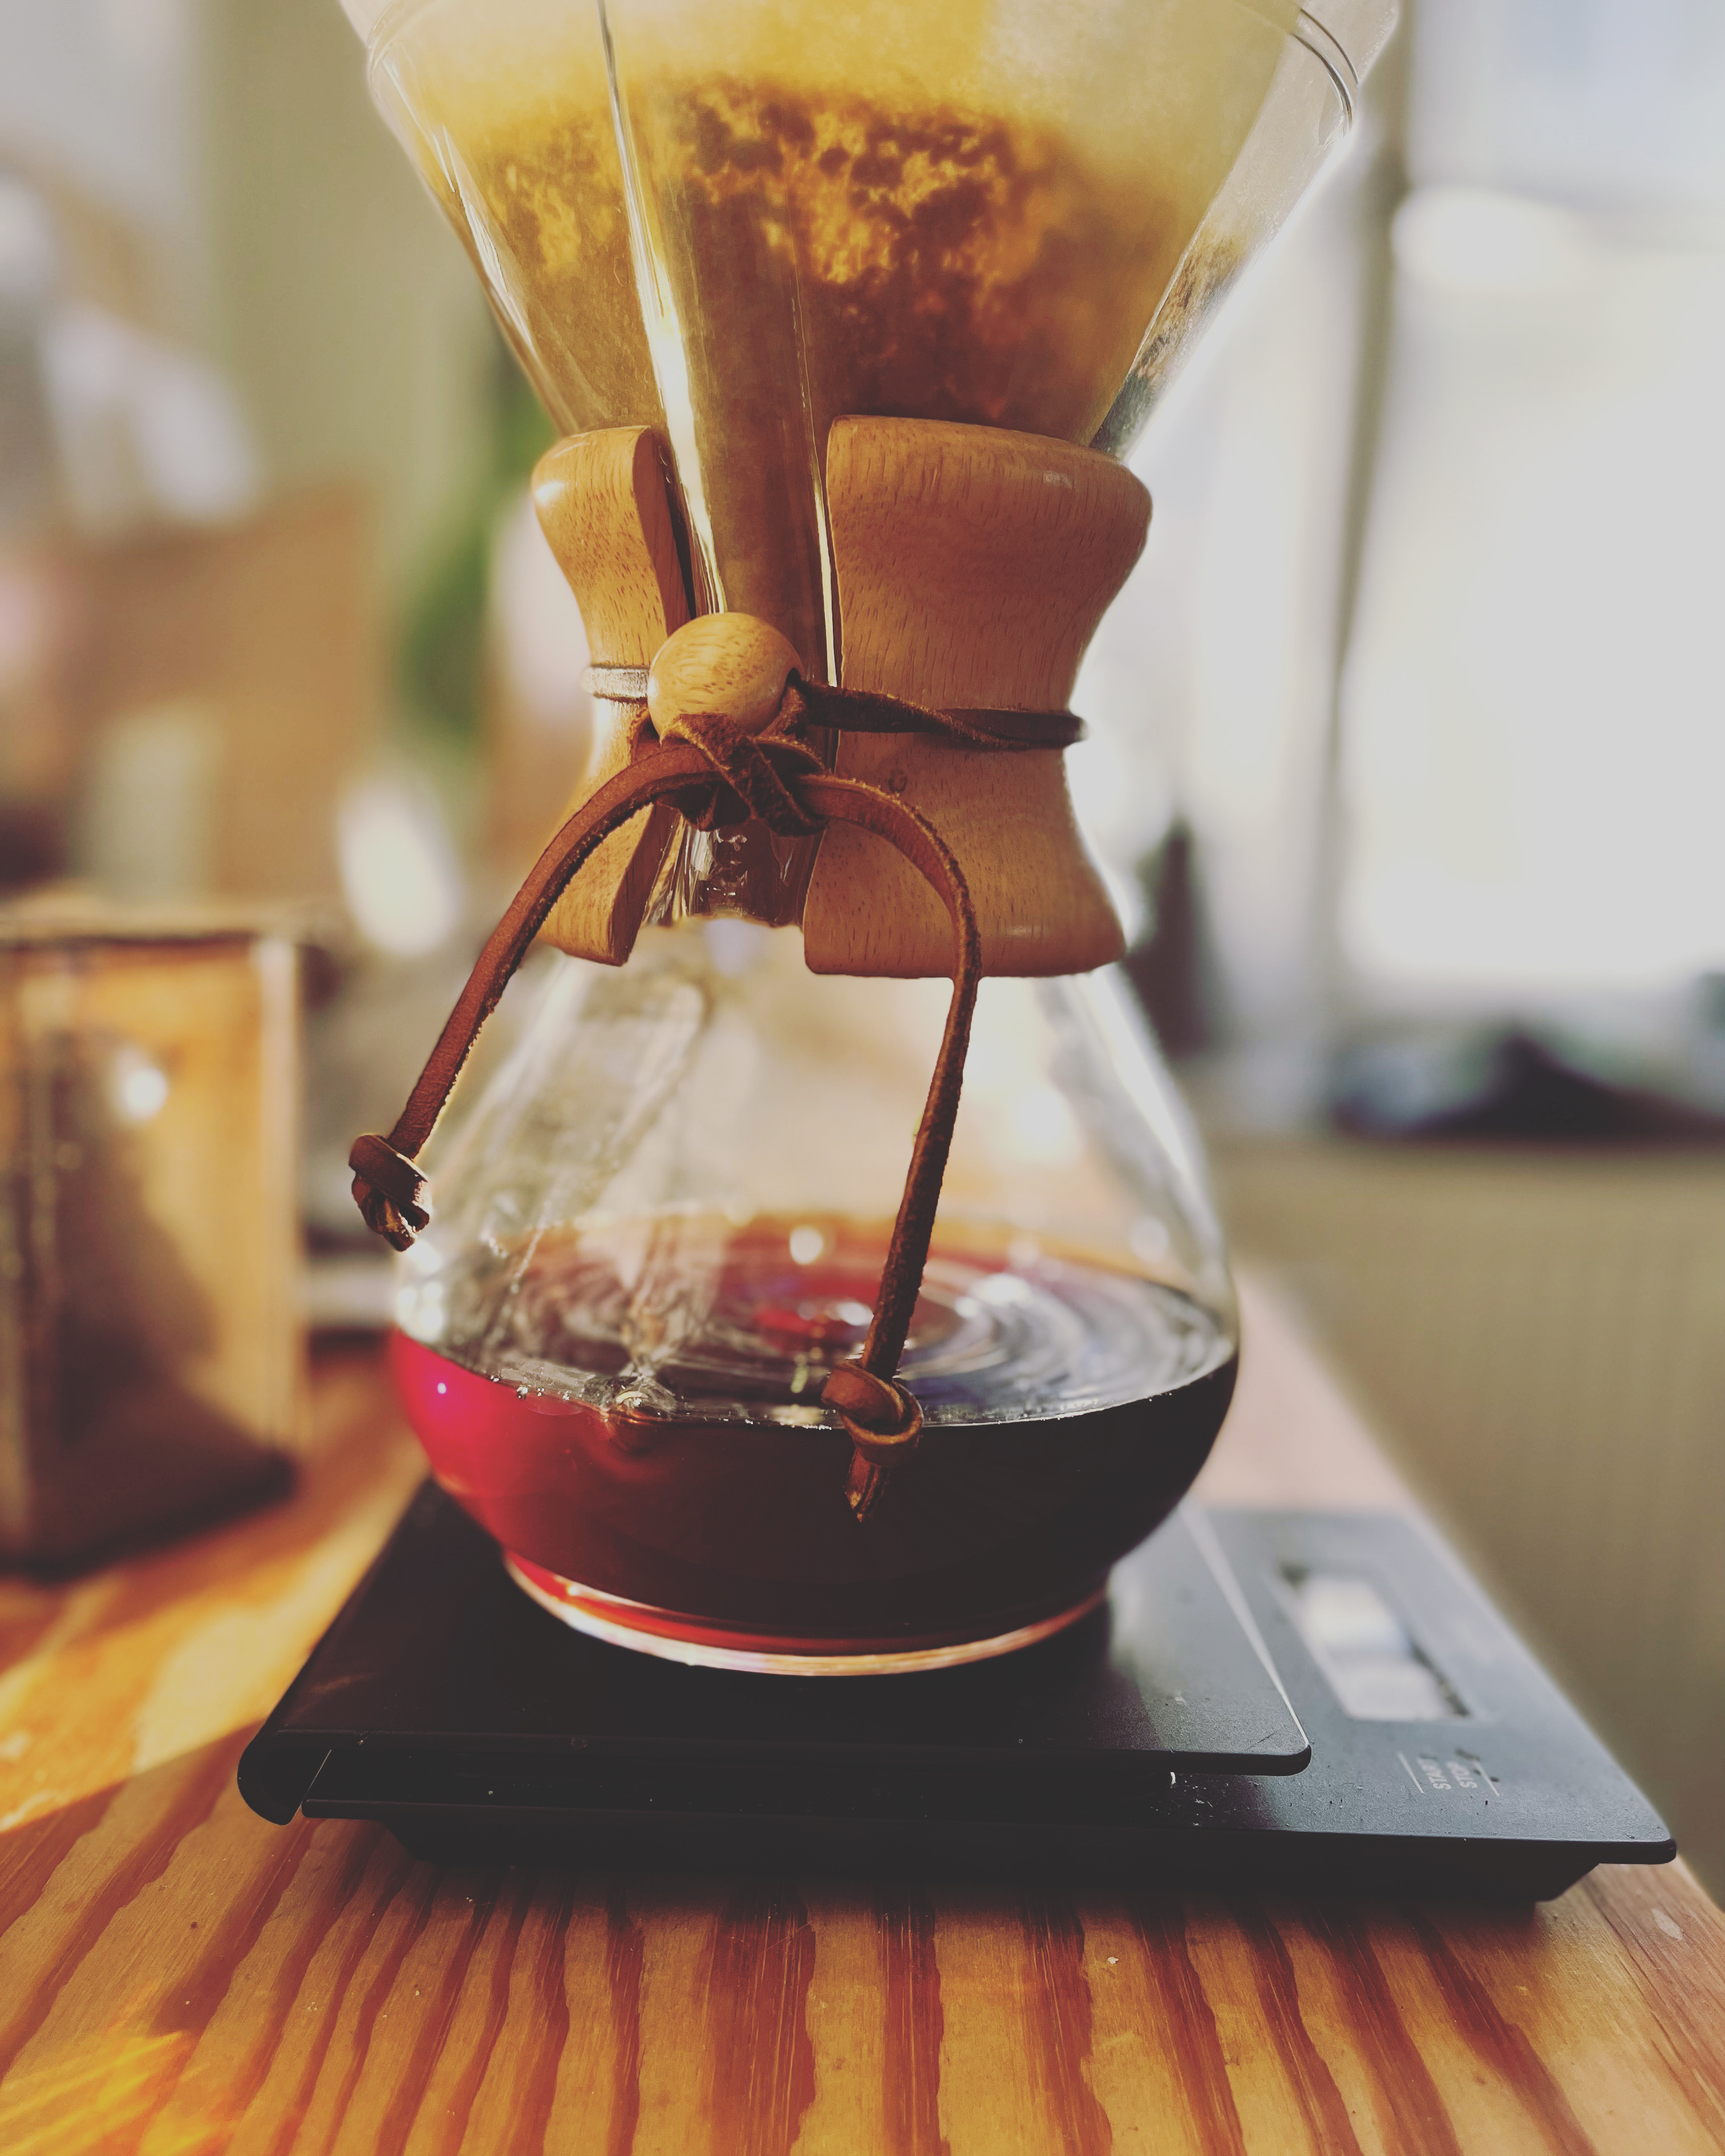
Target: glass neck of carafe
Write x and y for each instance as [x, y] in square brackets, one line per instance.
[746, 872]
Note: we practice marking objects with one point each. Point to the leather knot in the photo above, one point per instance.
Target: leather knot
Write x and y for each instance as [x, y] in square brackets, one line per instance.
[884, 1422]
[883, 1418]
[752, 775]
[387, 1188]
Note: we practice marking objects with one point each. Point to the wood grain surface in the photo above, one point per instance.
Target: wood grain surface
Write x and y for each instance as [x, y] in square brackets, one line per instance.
[176, 1976]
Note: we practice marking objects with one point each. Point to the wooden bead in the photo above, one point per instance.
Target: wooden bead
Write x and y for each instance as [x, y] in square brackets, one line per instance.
[728, 663]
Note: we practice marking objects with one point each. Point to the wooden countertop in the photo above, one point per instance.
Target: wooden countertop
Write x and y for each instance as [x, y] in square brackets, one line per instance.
[177, 1977]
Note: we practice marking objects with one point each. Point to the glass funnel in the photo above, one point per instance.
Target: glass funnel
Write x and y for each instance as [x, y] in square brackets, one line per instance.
[735, 223]
[665, 1223]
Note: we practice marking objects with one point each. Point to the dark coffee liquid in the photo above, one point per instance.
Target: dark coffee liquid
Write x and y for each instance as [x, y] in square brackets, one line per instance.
[646, 1422]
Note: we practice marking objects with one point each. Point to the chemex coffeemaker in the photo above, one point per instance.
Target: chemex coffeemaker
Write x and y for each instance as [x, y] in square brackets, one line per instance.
[826, 1284]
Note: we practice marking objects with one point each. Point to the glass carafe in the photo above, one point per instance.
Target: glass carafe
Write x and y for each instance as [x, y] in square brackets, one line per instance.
[663, 1224]
[751, 233]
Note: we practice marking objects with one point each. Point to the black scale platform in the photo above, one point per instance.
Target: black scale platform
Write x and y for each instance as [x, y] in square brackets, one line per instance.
[1292, 1700]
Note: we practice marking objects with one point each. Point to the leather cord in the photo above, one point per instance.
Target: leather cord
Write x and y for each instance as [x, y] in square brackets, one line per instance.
[716, 775]
[859, 710]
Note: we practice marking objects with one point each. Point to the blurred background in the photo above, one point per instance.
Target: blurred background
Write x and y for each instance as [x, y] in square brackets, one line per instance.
[1409, 733]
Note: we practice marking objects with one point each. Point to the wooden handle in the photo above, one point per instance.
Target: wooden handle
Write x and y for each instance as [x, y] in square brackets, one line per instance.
[604, 507]
[973, 566]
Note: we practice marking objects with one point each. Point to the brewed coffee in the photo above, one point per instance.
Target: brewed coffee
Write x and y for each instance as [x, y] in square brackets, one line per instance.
[644, 1423]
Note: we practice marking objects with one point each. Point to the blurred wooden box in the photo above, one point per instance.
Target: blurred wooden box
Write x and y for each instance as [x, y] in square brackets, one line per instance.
[151, 1350]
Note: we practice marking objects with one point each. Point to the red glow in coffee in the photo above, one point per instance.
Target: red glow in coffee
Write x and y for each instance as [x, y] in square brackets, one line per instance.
[1066, 1405]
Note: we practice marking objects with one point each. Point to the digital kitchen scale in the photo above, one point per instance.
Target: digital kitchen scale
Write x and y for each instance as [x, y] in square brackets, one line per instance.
[1311, 1700]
